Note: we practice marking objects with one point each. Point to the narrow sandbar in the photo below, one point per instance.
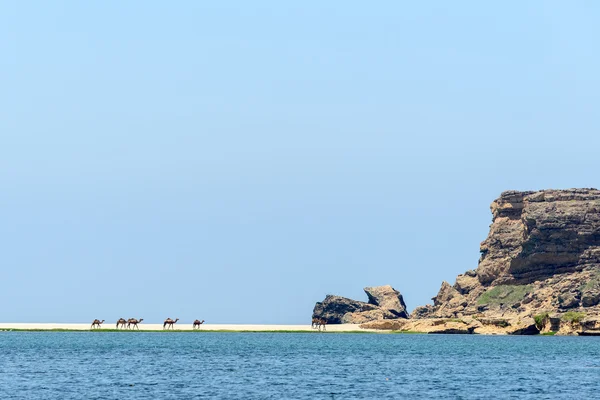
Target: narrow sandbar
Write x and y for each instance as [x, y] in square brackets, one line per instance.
[183, 327]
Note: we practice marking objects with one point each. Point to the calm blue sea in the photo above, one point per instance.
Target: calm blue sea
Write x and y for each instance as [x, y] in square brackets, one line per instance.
[102, 365]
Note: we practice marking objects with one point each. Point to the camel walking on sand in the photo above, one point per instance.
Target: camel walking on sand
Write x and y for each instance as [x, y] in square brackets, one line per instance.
[170, 323]
[322, 323]
[132, 323]
[315, 323]
[198, 323]
[318, 323]
[121, 322]
[96, 323]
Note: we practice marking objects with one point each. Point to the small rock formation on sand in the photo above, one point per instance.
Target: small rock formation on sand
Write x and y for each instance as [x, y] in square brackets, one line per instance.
[388, 299]
[385, 302]
[541, 260]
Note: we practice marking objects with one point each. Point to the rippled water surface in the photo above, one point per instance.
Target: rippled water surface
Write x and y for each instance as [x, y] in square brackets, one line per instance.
[104, 365]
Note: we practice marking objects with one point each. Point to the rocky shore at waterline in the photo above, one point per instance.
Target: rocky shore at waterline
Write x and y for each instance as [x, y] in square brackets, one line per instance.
[539, 272]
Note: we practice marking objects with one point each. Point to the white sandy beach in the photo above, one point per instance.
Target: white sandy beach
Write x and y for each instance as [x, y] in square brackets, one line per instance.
[183, 327]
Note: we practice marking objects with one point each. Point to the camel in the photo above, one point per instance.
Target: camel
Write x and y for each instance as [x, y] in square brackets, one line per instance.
[318, 323]
[121, 322]
[132, 323]
[198, 323]
[322, 323]
[97, 323]
[315, 323]
[169, 322]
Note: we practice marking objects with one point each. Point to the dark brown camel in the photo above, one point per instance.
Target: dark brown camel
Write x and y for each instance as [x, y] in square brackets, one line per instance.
[198, 323]
[315, 323]
[121, 322]
[170, 323]
[318, 323]
[322, 323]
[97, 323]
[132, 323]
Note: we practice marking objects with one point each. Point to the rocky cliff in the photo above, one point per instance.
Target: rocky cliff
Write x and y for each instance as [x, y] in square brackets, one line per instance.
[541, 258]
[539, 271]
[385, 302]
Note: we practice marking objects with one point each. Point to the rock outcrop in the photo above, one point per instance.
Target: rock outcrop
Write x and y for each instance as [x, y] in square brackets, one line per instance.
[386, 325]
[387, 298]
[542, 255]
[385, 302]
[539, 272]
[536, 235]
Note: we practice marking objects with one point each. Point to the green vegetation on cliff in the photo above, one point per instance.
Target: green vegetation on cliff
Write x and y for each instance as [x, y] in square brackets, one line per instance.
[504, 294]
[540, 320]
[573, 317]
[592, 283]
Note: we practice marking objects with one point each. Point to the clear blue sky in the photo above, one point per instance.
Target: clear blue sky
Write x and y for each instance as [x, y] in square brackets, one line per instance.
[237, 161]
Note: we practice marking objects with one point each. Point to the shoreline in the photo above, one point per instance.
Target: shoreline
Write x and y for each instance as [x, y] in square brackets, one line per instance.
[81, 327]
[265, 328]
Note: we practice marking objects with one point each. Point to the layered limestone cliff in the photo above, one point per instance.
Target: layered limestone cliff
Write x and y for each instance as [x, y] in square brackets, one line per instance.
[539, 272]
[540, 259]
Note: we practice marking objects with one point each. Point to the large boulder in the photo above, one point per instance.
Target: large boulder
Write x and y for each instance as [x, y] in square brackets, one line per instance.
[386, 324]
[568, 300]
[334, 308]
[387, 298]
[446, 294]
[525, 326]
[466, 283]
[590, 298]
[385, 302]
[366, 316]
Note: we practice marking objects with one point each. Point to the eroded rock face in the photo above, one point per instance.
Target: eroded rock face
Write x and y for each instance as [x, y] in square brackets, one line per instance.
[465, 283]
[542, 254]
[387, 298]
[422, 311]
[590, 298]
[536, 235]
[334, 308]
[385, 302]
[366, 316]
[387, 324]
